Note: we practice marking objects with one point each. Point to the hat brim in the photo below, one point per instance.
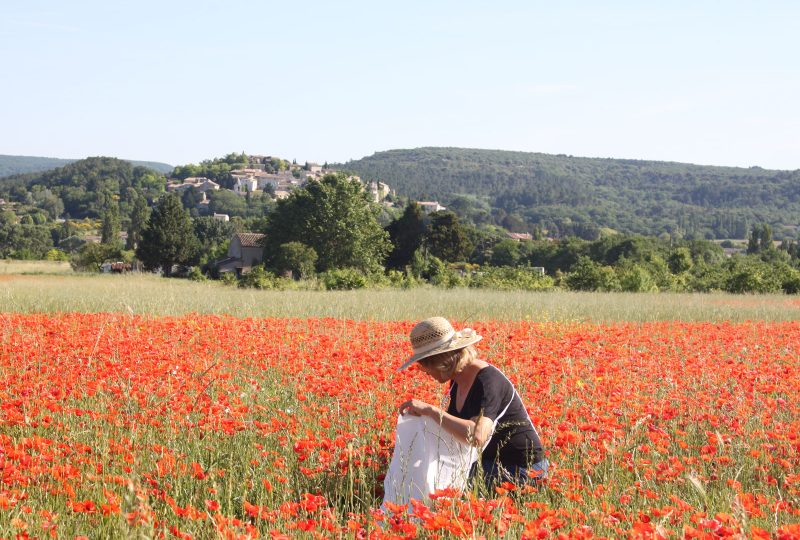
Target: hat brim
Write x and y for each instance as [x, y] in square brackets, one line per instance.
[454, 345]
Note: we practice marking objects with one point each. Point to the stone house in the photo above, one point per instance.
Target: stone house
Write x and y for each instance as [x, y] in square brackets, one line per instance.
[378, 191]
[430, 207]
[246, 250]
[245, 184]
[199, 183]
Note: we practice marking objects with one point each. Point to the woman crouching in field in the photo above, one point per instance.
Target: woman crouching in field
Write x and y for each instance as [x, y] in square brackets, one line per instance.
[483, 408]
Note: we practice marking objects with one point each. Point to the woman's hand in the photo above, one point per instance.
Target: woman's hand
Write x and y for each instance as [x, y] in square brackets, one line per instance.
[415, 407]
[461, 428]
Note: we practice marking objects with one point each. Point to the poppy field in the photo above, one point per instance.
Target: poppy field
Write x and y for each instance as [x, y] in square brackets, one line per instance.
[207, 426]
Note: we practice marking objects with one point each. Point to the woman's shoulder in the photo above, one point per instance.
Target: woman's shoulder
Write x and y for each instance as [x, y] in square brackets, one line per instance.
[491, 374]
[487, 369]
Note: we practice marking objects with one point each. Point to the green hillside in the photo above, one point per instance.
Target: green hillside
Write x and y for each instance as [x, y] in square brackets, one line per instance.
[570, 195]
[15, 165]
[84, 188]
[12, 165]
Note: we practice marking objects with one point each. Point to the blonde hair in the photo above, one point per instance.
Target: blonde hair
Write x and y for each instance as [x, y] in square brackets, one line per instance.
[451, 362]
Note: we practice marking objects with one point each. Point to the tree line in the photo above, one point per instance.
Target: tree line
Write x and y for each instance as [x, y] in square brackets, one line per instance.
[330, 234]
[585, 197]
[50, 214]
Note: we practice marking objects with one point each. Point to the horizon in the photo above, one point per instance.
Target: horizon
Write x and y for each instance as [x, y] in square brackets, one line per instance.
[174, 83]
[409, 149]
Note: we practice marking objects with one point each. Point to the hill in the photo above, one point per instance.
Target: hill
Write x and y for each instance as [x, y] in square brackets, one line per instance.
[83, 188]
[573, 195]
[15, 165]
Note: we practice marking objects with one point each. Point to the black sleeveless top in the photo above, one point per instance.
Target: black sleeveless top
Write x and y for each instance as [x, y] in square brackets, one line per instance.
[515, 441]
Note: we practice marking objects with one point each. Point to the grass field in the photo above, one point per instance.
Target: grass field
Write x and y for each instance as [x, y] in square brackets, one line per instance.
[151, 295]
[8, 266]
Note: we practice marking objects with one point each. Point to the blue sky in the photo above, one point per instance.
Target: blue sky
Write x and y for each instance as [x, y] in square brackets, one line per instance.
[707, 82]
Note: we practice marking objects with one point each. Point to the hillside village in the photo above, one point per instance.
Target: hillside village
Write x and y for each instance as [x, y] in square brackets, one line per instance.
[245, 249]
[256, 180]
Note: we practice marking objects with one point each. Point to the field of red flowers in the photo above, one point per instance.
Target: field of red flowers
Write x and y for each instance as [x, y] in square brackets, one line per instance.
[204, 426]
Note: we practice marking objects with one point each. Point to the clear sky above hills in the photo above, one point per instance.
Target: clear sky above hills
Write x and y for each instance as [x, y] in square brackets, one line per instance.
[705, 82]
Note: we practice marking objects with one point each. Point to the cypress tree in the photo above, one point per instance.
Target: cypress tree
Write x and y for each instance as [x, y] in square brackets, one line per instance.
[169, 237]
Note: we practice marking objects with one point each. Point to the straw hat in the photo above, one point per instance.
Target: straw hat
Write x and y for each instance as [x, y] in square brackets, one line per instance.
[436, 335]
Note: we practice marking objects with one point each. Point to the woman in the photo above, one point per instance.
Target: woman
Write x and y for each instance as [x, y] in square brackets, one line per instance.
[483, 407]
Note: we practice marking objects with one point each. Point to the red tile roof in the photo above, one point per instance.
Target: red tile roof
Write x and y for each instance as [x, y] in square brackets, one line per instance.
[250, 239]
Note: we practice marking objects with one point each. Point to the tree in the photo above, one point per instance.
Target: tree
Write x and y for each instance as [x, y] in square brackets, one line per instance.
[111, 226]
[138, 221]
[168, 238]
[406, 235]
[447, 239]
[213, 237]
[514, 223]
[8, 231]
[760, 239]
[506, 253]
[223, 201]
[634, 277]
[297, 258]
[190, 198]
[587, 275]
[750, 275]
[91, 255]
[49, 202]
[211, 232]
[335, 217]
[680, 260]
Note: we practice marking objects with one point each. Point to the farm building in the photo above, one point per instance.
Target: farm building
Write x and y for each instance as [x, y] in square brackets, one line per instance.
[245, 251]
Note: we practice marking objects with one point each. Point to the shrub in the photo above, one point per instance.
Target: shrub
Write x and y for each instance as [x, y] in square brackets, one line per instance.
[635, 278]
[258, 278]
[228, 278]
[708, 278]
[56, 255]
[791, 282]
[197, 275]
[425, 266]
[749, 280]
[403, 280]
[447, 277]
[750, 274]
[509, 278]
[342, 279]
[587, 275]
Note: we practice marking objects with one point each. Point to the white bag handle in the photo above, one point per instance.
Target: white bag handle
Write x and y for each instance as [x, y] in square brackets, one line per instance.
[502, 413]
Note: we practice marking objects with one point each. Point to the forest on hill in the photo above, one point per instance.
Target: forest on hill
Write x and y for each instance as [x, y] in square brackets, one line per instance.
[85, 188]
[572, 196]
[13, 165]
[61, 213]
[21, 165]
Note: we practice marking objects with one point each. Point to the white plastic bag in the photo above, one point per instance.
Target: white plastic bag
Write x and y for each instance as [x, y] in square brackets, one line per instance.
[426, 458]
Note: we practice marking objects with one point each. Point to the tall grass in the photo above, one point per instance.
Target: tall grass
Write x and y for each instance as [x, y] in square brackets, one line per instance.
[147, 294]
[8, 266]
